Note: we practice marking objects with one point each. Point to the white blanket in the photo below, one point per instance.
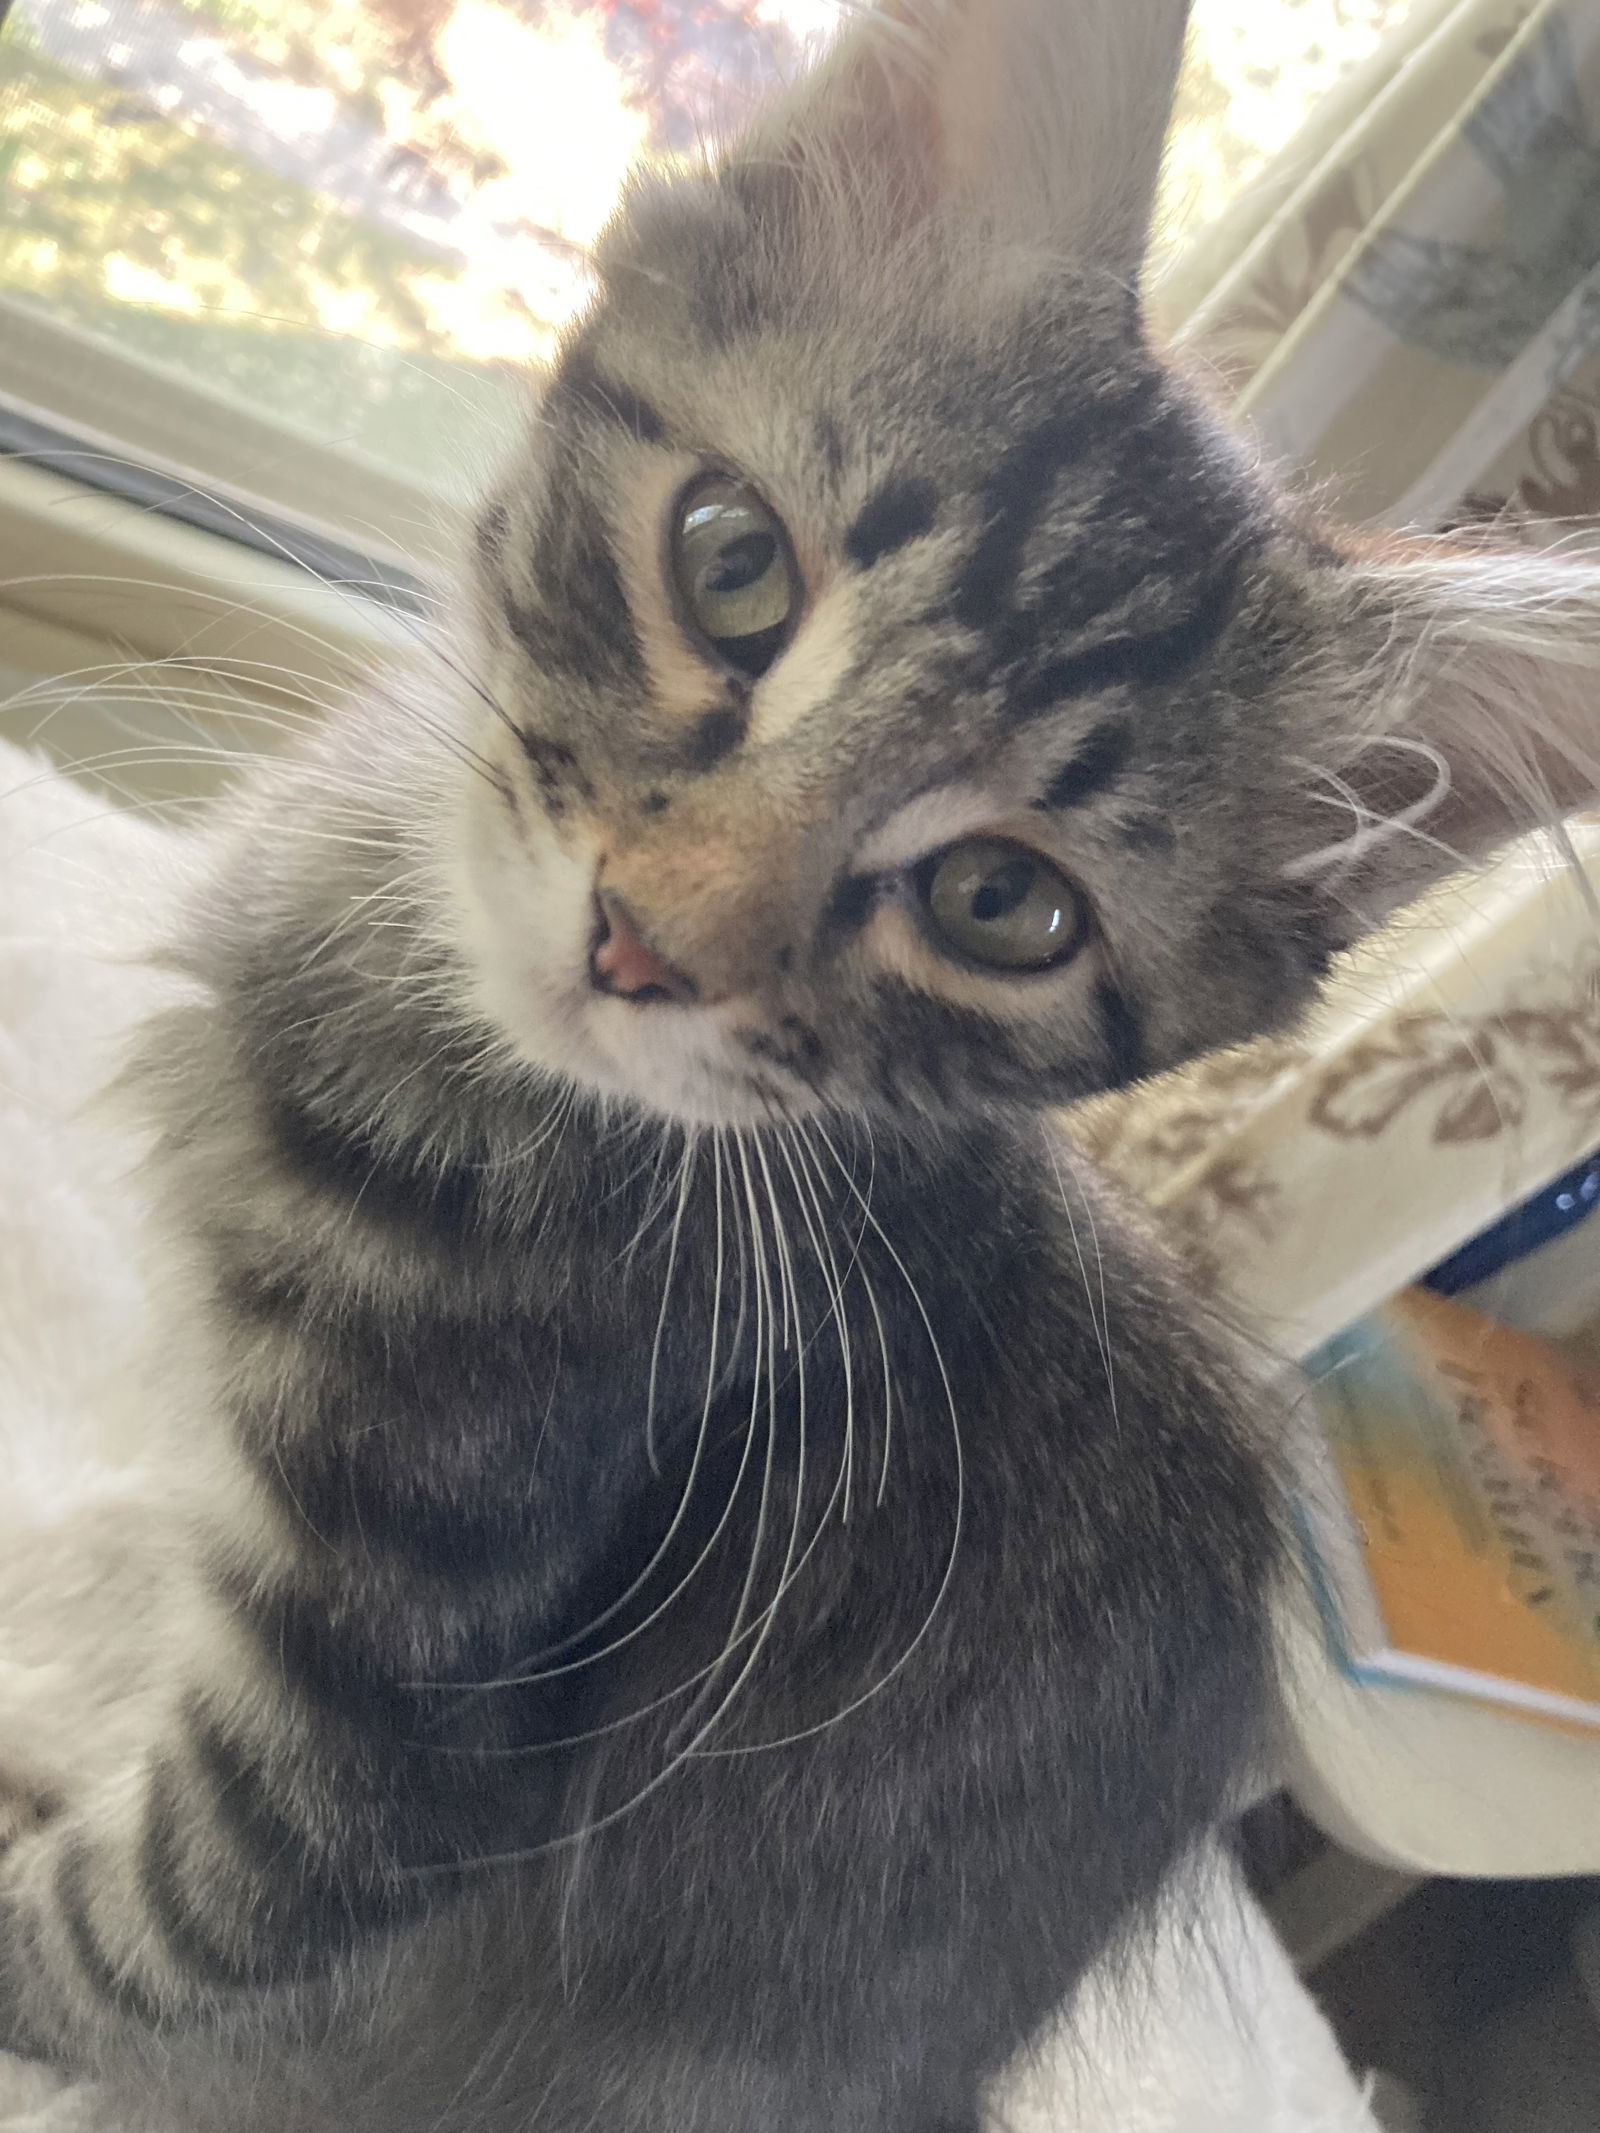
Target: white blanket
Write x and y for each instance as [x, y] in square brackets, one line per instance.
[1208, 2031]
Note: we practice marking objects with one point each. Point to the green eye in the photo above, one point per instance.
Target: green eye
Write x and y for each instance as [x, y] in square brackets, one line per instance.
[735, 573]
[1001, 905]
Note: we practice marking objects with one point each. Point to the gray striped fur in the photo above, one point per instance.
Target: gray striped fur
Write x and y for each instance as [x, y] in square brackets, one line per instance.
[705, 1610]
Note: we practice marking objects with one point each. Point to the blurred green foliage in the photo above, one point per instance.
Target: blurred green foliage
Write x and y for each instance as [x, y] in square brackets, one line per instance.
[100, 191]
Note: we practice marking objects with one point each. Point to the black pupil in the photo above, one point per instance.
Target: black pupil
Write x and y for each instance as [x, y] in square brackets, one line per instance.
[1003, 890]
[744, 561]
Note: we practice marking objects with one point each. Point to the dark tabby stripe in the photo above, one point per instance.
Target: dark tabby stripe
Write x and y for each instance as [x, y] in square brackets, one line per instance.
[899, 512]
[580, 623]
[794, 1046]
[1101, 757]
[322, 1669]
[560, 773]
[305, 1910]
[717, 734]
[1124, 1035]
[1149, 661]
[1147, 833]
[1013, 498]
[932, 1051]
[493, 530]
[830, 444]
[442, 1207]
[263, 1299]
[244, 1809]
[557, 772]
[582, 386]
[355, 1714]
[358, 1494]
[851, 904]
[190, 1936]
[117, 1988]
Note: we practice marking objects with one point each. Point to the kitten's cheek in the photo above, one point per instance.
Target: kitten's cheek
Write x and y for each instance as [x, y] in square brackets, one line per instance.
[521, 914]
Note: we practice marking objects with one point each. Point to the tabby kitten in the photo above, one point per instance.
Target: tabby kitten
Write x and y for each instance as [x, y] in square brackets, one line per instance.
[699, 1612]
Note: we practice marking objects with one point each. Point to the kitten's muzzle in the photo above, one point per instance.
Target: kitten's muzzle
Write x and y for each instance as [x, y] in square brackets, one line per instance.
[623, 964]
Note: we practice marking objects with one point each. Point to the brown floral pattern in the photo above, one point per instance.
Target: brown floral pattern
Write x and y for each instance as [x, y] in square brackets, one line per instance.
[1564, 1042]
[1227, 1149]
[1563, 444]
[1459, 1071]
[1165, 1124]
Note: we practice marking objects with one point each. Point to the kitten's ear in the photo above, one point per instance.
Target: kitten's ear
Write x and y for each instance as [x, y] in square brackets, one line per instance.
[1479, 716]
[1040, 121]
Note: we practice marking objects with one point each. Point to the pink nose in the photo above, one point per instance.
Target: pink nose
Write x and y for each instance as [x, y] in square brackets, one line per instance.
[622, 962]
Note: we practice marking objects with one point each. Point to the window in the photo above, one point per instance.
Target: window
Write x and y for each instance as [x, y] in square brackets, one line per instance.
[299, 251]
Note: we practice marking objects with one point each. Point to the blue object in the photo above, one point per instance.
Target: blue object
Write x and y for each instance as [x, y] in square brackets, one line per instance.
[1560, 1206]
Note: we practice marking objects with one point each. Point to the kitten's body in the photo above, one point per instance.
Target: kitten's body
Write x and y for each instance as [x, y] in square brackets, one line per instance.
[726, 1577]
[436, 1362]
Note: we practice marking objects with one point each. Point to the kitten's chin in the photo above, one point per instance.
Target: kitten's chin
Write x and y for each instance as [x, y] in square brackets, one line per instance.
[678, 1064]
[673, 1063]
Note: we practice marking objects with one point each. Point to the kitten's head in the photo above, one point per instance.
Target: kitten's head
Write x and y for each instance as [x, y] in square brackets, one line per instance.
[906, 696]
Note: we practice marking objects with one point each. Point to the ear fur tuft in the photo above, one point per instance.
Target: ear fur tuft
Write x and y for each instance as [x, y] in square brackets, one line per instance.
[1035, 123]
